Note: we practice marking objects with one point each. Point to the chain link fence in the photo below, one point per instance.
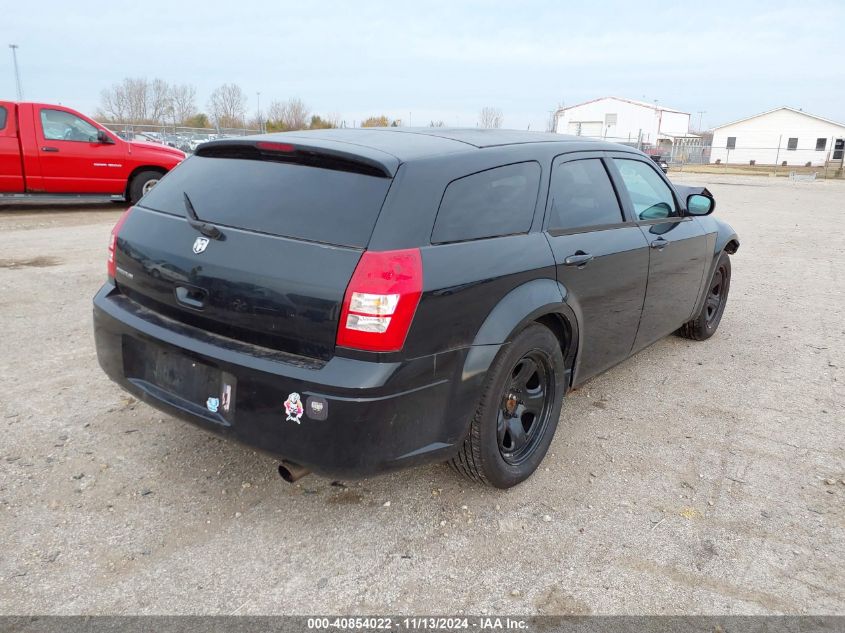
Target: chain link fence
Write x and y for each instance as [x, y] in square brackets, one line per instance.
[184, 138]
[698, 154]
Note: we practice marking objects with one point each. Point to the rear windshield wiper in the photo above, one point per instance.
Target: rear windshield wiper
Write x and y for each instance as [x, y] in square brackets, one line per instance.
[207, 229]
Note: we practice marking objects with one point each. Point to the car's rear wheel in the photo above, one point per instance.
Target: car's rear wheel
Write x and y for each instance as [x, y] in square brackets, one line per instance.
[518, 412]
[704, 325]
[142, 183]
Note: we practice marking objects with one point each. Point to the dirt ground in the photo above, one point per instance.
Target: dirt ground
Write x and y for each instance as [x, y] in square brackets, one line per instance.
[693, 478]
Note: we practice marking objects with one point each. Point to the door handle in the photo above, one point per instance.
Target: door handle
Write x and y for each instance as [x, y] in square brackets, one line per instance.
[659, 243]
[48, 148]
[578, 259]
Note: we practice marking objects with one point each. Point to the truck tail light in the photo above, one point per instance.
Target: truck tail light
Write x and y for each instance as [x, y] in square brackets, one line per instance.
[112, 266]
[381, 300]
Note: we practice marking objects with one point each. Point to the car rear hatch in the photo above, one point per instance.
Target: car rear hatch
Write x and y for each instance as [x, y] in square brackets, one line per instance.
[279, 230]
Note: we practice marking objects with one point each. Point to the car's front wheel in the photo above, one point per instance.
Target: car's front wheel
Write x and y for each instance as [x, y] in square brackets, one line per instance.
[518, 412]
[704, 325]
[142, 184]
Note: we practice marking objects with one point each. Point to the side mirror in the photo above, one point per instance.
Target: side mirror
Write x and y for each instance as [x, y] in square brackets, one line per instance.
[700, 205]
[102, 137]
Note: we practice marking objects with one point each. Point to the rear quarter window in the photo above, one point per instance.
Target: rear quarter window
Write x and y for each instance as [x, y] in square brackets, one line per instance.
[490, 203]
[286, 199]
[3, 117]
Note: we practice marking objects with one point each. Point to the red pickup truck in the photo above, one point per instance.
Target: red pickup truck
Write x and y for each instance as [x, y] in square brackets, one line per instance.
[52, 150]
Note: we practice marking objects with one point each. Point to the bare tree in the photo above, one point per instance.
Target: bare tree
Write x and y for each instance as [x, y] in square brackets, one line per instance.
[158, 105]
[114, 104]
[136, 97]
[125, 101]
[227, 106]
[288, 115]
[137, 100]
[490, 117]
[440, 123]
[183, 102]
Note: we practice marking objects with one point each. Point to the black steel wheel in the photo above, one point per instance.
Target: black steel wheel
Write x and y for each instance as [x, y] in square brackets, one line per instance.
[518, 413]
[525, 407]
[714, 304]
[704, 325]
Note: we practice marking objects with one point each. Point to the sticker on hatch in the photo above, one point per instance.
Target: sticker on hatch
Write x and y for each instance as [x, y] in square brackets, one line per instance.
[212, 404]
[293, 407]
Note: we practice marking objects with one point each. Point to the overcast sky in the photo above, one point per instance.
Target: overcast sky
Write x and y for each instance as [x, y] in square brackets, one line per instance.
[441, 60]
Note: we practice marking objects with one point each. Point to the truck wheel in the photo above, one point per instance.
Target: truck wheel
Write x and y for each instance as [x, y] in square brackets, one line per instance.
[142, 183]
[518, 412]
[704, 325]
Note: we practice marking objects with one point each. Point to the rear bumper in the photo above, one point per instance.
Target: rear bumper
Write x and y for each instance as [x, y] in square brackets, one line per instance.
[376, 416]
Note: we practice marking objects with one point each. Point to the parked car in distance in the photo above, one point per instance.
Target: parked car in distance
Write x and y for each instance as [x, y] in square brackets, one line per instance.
[660, 161]
[53, 150]
[196, 140]
[360, 300]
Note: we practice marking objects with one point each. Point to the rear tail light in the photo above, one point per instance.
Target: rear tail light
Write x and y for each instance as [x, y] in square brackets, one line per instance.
[381, 300]
[112, 266]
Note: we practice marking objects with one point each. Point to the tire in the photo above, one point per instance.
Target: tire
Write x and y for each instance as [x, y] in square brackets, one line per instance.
[704, 325]
[141, 183]
[490, 454]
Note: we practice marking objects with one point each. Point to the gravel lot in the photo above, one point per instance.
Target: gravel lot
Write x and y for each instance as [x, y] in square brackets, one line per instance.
[693, 478]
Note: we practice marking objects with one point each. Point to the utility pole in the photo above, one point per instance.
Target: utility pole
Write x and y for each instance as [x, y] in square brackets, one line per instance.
[14, 48]
[258, 107]
[701, 113]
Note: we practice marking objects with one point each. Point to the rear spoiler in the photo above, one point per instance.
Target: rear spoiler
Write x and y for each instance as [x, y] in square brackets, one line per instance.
[320, 153]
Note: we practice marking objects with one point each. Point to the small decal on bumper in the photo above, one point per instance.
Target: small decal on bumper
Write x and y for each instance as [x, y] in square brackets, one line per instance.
[293, 408]
[317, 408]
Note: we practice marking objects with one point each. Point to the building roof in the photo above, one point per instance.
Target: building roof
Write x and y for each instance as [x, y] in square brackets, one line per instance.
[795, 110]
[644, 104]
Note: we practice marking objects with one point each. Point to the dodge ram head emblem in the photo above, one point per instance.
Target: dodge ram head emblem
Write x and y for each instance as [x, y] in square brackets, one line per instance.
[200, 244]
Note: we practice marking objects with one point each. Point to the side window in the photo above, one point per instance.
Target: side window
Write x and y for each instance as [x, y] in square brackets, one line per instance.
[3, 116]
[490, 203]
[581, 194]
[652, 198]
[64, 126]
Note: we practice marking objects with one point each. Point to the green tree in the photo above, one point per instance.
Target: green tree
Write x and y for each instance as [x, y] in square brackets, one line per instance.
[319, 123]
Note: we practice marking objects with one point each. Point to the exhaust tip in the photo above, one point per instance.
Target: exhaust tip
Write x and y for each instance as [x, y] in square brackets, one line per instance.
[291, 472]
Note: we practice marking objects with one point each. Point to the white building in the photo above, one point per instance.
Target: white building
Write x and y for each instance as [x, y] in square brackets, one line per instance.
[782, 135]
[625, 121]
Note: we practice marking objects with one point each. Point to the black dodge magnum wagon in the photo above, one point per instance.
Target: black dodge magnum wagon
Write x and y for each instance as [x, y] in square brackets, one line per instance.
[360, 300]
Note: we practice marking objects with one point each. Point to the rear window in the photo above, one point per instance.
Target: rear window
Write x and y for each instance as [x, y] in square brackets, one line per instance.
[490, 203]
[286, 199]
